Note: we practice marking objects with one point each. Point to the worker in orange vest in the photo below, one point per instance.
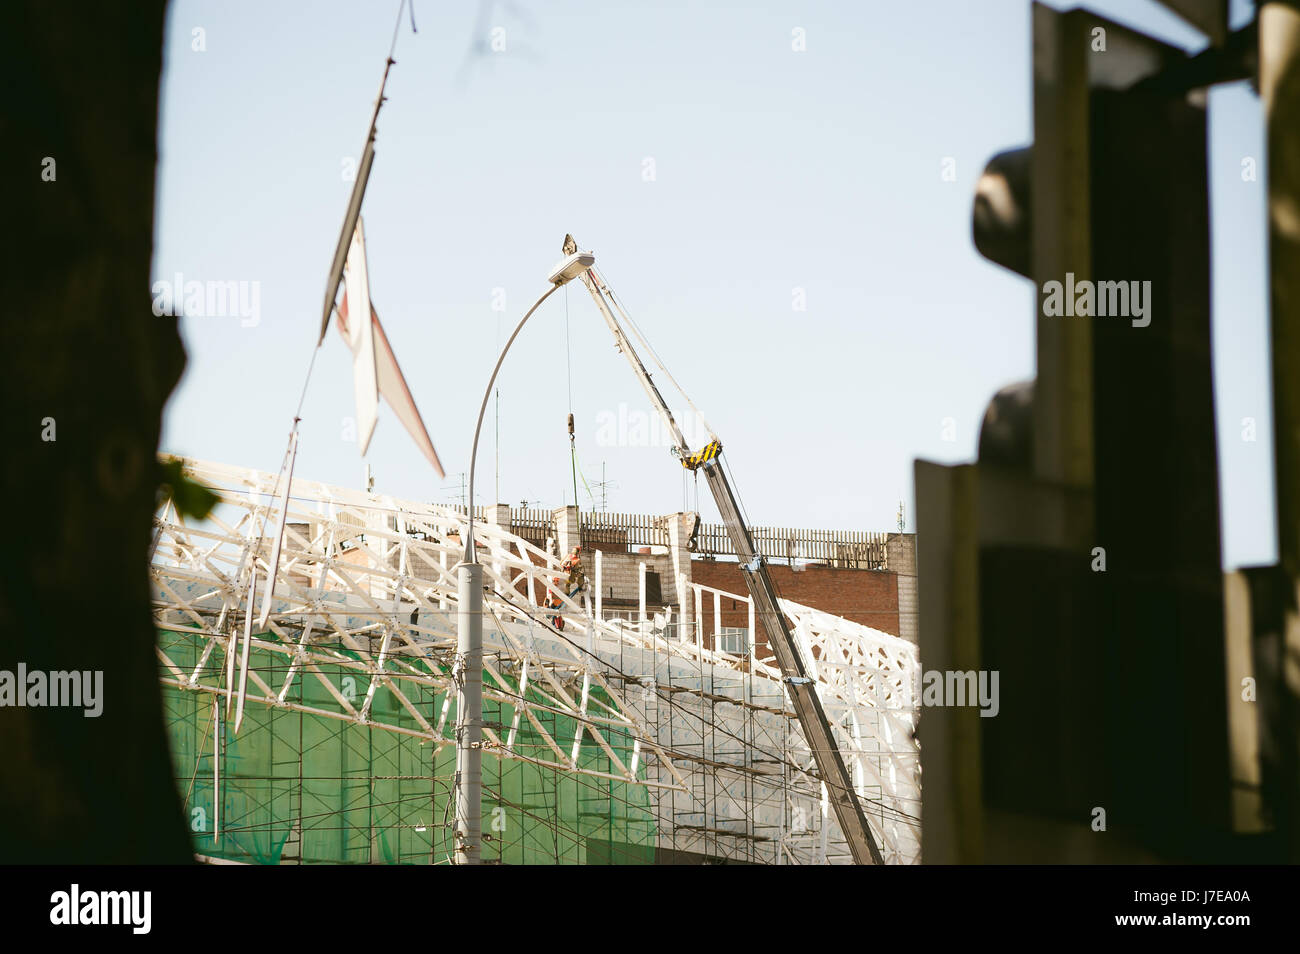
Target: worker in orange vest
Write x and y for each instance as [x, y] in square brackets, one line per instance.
[573, 583]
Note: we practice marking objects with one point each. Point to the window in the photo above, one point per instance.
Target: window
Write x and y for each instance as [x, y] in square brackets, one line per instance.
[733, 640]
[653, 588]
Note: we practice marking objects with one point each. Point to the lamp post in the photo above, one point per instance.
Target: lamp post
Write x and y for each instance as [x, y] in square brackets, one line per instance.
[469, 620]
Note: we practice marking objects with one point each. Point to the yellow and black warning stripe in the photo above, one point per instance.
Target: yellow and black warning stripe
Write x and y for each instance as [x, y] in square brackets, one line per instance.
[707, 453]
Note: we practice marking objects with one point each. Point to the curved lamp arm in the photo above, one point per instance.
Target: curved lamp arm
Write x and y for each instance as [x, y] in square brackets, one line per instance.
[470, 554]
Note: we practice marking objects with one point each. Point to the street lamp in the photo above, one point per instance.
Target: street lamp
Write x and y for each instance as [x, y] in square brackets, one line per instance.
[469, 619]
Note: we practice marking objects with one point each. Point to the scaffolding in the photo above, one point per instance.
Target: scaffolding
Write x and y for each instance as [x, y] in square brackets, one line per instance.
[605, 742]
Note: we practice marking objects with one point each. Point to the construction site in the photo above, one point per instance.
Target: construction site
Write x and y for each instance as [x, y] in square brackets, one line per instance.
[352, 677]
[641, 740]
[1043, 297]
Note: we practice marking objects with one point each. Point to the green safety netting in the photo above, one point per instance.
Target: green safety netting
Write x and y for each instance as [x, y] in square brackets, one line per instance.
[302, 788]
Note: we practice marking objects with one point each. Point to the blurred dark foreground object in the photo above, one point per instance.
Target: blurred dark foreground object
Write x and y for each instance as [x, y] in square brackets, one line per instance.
[1148, 702]
[86, 368]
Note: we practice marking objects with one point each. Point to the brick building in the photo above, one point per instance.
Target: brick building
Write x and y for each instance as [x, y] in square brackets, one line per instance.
[672, 567]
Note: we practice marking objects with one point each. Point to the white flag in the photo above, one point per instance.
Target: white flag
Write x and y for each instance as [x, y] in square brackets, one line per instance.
[361, 339]
[392, 385]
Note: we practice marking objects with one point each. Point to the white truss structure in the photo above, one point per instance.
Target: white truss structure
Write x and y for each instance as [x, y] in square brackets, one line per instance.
[716, 745]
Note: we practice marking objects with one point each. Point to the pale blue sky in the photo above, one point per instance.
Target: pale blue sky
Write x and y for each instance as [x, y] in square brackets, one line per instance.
[774, 170]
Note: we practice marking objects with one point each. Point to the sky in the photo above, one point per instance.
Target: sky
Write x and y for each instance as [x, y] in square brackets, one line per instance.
[775, 220]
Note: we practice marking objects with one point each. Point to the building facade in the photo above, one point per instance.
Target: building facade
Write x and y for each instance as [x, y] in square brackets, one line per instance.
[647, 563]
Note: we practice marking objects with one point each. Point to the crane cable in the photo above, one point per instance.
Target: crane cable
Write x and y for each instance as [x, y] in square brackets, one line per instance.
[568, 365]
[573, 447]
[654, 356]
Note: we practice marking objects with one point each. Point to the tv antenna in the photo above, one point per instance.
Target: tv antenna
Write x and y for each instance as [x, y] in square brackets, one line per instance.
[604, 486]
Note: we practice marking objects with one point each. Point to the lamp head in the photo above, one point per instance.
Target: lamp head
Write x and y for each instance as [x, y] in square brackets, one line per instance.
[571, 267]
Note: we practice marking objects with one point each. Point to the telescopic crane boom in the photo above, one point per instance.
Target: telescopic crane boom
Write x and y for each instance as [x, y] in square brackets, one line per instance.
[801, 689]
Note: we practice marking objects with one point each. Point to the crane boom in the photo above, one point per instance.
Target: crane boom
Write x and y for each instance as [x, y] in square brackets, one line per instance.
[767, 609]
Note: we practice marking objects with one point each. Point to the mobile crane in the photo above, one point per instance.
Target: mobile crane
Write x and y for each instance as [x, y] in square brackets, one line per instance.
[801, 689]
